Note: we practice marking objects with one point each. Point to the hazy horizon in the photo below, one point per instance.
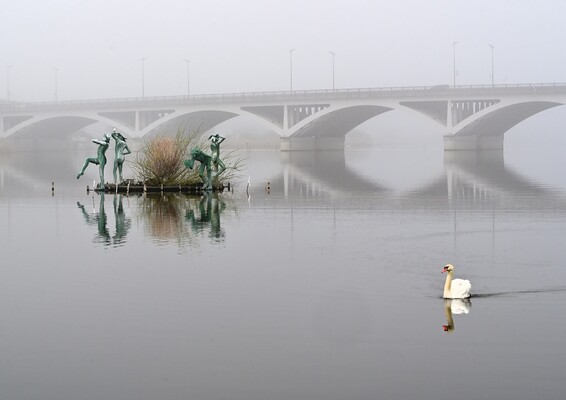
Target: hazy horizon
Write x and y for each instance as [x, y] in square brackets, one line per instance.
[94, 49]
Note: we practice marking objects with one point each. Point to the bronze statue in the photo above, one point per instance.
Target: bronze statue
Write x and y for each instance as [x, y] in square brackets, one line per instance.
[219, 166]
[121, 149]
[205, 163]
[210, 163]
[100, 159]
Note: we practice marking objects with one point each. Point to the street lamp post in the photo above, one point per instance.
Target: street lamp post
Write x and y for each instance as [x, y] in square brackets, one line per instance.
[492, 66]
[454, 60]
[291, 67]
[188, 77]
[333, 82]
[55, 70]
[143, 76]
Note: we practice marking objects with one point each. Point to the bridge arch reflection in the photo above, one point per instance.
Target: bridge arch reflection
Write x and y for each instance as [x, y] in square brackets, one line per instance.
[471, 177]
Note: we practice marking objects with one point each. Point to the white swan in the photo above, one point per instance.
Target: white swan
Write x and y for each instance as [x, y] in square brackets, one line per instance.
[455, 288]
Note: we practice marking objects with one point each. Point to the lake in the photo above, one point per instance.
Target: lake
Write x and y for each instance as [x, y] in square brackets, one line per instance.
[320, 281]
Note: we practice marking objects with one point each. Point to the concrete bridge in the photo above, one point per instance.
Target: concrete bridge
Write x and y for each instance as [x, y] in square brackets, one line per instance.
[471, 117]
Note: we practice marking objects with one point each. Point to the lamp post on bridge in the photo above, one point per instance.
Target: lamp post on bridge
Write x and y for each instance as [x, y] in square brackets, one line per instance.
[55, 70]
[291, 68]
[454, 60]
[492, 65]
[188, 77]
[333, 54]
[143, 76]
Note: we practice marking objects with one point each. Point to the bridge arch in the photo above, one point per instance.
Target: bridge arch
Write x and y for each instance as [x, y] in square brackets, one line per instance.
[63, 125]
[336, 123]
[497, 122]
[327, 128]
[202, 121]
[266, 121]
[485, 130]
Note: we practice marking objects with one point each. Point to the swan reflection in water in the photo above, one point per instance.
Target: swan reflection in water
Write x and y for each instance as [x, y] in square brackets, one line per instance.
[455, 306]
[99, 219]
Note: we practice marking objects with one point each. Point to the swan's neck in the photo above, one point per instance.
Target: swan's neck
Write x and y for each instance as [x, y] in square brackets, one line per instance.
[448, 284]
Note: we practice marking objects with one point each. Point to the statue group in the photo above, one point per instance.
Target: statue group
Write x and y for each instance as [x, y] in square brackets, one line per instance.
[121, 150]
[211, 166]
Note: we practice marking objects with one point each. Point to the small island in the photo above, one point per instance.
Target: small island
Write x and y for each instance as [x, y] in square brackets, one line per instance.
[166, 164]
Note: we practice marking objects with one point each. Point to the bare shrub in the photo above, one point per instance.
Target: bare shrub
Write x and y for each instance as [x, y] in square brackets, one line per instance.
[160, 160]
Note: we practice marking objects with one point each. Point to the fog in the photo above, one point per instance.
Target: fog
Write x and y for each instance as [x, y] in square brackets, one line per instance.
[94, 48]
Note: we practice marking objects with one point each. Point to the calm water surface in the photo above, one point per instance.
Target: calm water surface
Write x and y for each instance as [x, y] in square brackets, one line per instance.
[327, 286]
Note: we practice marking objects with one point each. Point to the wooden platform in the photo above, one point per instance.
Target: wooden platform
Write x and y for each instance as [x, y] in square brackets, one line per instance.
[141, 188]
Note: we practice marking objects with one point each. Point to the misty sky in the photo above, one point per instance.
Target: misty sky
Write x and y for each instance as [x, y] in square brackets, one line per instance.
[234, 46]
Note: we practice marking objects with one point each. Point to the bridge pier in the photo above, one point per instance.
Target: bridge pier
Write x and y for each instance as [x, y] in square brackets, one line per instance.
[473, 142]
[312, 143]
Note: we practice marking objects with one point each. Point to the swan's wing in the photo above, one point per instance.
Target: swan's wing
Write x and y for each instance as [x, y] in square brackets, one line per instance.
[461, 288]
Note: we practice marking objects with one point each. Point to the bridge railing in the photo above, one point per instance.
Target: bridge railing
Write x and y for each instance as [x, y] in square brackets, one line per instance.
[251, 97]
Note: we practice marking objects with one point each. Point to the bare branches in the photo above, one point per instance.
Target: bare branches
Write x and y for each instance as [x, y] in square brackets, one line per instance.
[160, 160]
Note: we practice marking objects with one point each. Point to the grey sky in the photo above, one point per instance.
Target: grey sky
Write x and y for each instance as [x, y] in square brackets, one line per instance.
[233, 46]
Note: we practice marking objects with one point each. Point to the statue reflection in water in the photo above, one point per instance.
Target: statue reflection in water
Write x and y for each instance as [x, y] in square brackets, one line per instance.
[209, 208]
[454, 306]
[100, 221]
[178, 217]
[123, 224]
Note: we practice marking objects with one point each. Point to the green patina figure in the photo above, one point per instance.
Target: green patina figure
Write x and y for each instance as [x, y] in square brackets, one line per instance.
[219, 166]
[205, 164]
[121, 150]
[99, 160]
[211, 163]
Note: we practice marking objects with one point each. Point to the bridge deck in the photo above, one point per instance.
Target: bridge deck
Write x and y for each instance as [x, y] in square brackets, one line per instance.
[296, 95]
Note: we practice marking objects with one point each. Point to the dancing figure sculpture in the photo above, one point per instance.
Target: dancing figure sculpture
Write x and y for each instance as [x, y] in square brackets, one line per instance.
[219, 166]
[100, 158]
[121, 149]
